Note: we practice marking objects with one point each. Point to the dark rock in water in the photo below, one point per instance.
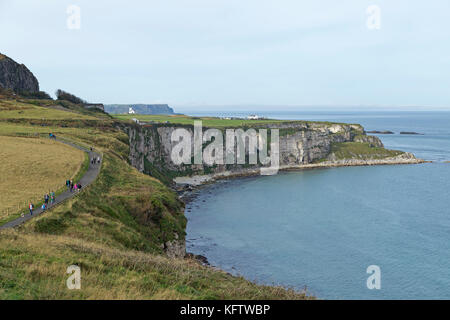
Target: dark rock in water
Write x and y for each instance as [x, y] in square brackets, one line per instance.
[410, 132]
[381, 132]
[16, 76]
[197, 257]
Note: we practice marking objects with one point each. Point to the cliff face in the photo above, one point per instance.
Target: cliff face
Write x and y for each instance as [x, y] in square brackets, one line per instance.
[16, 76]
[301, 144]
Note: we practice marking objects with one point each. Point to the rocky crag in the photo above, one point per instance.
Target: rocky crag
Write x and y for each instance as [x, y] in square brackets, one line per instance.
[16, 76]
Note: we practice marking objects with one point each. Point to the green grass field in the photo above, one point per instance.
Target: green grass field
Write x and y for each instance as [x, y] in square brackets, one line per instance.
[17, 110]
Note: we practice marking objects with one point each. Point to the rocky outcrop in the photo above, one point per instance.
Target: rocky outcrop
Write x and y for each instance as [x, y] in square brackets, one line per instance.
[372, 140]
[175, 248]
[16, 76]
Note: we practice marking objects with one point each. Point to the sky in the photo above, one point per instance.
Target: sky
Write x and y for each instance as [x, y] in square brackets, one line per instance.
[213, 53]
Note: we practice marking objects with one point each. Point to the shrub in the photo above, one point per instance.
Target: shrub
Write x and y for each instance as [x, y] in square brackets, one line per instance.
[63, 95]
[35, 95]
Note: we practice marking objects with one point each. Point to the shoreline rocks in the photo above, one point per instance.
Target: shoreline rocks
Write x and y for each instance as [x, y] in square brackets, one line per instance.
[390, 132]
[191, 182]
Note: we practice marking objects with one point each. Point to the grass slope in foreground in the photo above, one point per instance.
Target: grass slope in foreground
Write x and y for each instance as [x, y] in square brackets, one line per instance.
[115, 230]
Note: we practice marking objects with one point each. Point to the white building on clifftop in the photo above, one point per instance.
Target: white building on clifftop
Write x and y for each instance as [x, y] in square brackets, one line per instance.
[131, 110]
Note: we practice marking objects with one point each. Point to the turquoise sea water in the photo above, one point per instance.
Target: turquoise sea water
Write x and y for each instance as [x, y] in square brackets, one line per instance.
[322, 228]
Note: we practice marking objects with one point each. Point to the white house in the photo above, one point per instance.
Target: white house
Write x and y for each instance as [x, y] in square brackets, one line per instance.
[253, 117]
[131, 110]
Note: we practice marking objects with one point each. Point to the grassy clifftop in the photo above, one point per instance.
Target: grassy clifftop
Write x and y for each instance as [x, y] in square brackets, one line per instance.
[116, 230]
[216, 122]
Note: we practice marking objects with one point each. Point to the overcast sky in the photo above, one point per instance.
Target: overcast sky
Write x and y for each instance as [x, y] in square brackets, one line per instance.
[235, 52]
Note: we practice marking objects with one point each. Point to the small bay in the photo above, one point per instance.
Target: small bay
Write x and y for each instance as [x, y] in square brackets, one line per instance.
[322, 228]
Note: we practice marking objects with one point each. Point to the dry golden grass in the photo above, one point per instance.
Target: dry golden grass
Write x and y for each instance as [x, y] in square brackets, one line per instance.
[31, 167]
[109, 273]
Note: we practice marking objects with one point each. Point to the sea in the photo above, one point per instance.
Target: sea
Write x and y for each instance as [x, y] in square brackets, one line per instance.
[326, 230]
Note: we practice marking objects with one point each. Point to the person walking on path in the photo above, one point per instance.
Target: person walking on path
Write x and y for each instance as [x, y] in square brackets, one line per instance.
[68, 184]
[43, 207]
[31, 206]
[52, 197]
[46, 197]
[71, 185]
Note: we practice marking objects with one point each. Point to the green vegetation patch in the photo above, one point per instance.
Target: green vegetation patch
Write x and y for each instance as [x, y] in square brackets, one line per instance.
[358, 150]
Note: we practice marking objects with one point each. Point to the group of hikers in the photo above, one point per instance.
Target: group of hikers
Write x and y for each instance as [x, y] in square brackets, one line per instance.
[48, 198]
[95, 160]
[71, 186]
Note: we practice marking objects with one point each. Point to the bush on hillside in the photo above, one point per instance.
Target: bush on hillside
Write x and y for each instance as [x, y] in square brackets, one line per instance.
[63, 95]
[35, 95]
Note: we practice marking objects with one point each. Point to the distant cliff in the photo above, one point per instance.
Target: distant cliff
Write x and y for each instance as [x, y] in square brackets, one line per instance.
[302, 145]
[16, 76]
[139, 108]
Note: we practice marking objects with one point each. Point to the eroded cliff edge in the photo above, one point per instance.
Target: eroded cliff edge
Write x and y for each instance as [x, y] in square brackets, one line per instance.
[302, 145]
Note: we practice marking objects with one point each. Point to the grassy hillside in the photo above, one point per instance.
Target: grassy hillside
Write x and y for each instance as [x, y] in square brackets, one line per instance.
[359, 150]
[18, 110]
[115, 229]
[31, 167]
